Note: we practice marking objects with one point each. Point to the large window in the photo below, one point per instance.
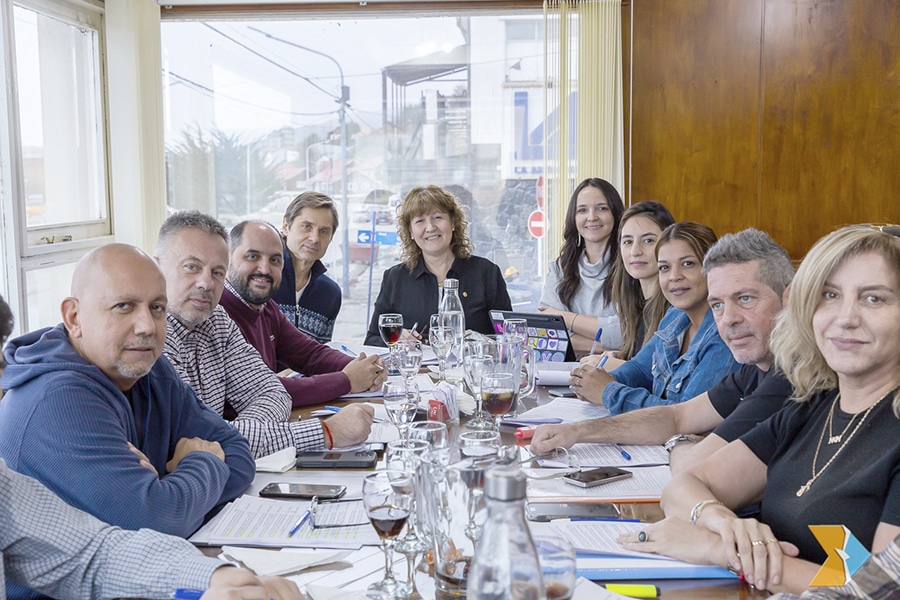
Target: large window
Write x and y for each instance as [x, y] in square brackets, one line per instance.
[253, 116]
[55, 200]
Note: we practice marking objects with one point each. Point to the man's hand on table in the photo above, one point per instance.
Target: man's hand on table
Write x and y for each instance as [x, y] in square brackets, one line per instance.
[351, 425]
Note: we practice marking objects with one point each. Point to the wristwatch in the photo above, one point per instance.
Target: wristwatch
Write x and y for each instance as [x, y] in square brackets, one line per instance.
[677, 439]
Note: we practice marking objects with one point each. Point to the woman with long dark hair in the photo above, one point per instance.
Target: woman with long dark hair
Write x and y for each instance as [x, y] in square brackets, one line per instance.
[578, 286]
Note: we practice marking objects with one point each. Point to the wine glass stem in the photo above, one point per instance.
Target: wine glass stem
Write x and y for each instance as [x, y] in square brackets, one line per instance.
[441, 362]
[388, 546]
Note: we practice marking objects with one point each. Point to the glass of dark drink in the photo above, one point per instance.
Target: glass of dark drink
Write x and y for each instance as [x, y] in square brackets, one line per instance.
[498, 395]
[390, 326]
[558, 563]
[387, 496]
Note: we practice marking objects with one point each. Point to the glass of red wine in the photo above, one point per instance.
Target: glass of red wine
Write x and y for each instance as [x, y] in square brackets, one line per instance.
[390, 326]
[498, 394]
[387, 497]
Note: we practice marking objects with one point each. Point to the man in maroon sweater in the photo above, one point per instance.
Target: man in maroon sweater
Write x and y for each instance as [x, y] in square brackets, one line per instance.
[254, 273]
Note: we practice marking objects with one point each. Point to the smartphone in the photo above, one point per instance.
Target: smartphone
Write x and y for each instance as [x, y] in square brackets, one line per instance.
[303, 490]
[595, 477]
[544, 512]
[363, 459]
[561, 392]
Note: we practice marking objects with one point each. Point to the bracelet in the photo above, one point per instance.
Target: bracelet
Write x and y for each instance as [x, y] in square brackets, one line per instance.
[572, 326]
[330, 439]
[698, 508]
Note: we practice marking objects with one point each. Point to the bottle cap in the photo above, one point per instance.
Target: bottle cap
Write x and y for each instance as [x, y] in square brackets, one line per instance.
[504, 483]
[451, 283]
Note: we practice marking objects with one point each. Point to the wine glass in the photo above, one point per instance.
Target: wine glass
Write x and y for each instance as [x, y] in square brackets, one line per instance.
[476, 365]
[516, 328]
[390, 326]
[479, 443]
[433, 432]
[498, 393]
[406, 455]
[386, 497]
[401, 400]
[409, 358]
[441, 339]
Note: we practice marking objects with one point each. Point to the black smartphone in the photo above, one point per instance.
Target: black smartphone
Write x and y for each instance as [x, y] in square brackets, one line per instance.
[561, 392]
[337, 460]
[544, 512]
[595, 477]
[303, 490]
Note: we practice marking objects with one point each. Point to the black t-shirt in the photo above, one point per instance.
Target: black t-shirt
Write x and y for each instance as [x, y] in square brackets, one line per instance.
[859, 489]
[747, 397]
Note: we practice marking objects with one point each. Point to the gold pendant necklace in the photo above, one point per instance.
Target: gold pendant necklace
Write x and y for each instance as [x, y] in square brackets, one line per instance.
[836, 439]
[815, 474]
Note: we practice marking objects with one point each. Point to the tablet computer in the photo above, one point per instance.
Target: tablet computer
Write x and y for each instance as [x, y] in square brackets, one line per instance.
[547, 334]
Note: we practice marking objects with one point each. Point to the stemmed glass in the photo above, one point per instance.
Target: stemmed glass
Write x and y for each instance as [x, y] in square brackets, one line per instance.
[441, 339]
[406, 455]
[409, 358]
[433, 432]
[390, 326]
[401, 400]
[516, 328]
[387, 496]
[558, 565]
[479, 444]
[476, 365]
[498, 393]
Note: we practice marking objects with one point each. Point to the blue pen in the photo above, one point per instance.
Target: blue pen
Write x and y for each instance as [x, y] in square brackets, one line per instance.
[624, 454]
[604, 519]
[602, 361]
[332, 408]
[596, 339]
[413, 329]
[299, 523]
[348, 351]
[187, 594]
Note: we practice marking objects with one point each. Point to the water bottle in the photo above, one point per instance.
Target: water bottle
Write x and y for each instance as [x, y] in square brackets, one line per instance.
[505, 565]
[452, 315]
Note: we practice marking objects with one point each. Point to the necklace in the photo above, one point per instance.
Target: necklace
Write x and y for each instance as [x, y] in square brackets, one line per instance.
[815, 474]
[836, 439]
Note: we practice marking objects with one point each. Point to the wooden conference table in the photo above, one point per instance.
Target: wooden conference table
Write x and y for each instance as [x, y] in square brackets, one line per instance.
[683, 589]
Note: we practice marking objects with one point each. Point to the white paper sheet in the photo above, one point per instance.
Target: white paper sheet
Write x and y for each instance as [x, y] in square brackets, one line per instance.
[645, 485]
[610, 455]
[569, 410]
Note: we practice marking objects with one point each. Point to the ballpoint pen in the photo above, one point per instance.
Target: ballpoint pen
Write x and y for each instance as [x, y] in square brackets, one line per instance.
[332, 408]
[347, 351]
[602, 361]
[412, 329]
[624, 454]
[187, 594]
[299, 523]
[596, 339]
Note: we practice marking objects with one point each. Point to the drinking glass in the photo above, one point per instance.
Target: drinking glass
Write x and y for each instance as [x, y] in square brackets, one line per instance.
[386, 497]
[498, 394]
[516, 328]
[476, 366]
[406, 455]
[433, 432]
[401, 400]
[441, 339]
[409, 358]
[557, 558]
[390, 326]
[479, 443]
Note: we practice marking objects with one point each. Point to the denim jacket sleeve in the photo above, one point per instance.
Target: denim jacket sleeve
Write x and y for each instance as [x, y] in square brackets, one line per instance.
[679, 378]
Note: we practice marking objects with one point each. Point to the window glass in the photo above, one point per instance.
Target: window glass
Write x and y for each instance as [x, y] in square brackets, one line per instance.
[58, 84]
[253, 114]
[46, 289]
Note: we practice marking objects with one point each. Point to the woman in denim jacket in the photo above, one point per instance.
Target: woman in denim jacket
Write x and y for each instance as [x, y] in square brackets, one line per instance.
[686, 355]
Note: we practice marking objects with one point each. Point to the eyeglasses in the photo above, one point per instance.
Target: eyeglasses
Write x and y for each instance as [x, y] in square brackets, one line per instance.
[889, 229]
[347, 515]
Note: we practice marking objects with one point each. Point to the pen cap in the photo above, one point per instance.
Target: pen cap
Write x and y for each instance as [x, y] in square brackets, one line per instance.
[505, 484]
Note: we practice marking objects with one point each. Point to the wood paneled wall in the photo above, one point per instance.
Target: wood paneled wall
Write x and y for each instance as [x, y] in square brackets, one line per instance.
[778, 114]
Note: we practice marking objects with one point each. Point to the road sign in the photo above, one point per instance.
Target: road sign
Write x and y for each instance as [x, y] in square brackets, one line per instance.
[536, 223]
[363, 236]
[386, 238]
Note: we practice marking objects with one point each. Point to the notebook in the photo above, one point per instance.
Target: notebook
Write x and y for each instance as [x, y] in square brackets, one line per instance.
[547, 334]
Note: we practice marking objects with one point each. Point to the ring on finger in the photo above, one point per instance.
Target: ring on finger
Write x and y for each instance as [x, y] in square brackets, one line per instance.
[643, 537]
[771, 541]
[757, 543]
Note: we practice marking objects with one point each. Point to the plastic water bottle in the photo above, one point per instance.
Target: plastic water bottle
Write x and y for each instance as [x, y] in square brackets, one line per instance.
[452, 315]
[505, 565]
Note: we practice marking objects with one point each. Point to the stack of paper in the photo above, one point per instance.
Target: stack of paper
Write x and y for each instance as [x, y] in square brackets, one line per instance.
[645, 485]
[569, 410]
[610, 455]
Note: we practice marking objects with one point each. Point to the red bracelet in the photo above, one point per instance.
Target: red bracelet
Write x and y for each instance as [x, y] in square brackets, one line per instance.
[330, 439]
